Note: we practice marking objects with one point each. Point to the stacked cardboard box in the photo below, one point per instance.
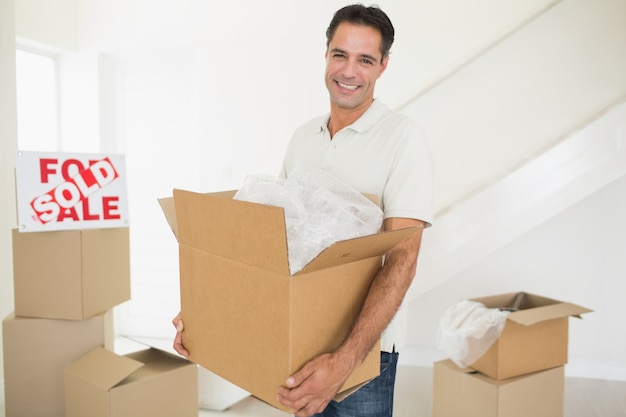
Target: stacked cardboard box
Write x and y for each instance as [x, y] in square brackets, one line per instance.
[70, 274]
[58, 343]
[468, 393]
[36, 351]
[522, 373]
[65, 284]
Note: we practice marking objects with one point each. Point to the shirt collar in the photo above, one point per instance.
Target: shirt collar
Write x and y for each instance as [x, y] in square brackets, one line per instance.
[368, 119]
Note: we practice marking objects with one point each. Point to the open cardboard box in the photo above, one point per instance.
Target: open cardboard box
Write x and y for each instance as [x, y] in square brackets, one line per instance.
[246, 319]
[149, 382]
[463, 392]
[535, 336]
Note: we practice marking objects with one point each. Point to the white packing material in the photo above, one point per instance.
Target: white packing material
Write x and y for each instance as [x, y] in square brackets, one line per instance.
[467, 330]
[319, 209]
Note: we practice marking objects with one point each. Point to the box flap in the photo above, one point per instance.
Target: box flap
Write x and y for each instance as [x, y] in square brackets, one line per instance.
[251, 233]
[356, 249]
[548, 312]
[533, 308]
[103, 368]
[167, 205]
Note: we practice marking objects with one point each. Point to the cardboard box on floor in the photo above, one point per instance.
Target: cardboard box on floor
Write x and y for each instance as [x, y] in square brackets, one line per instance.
[145, 383]
[246, 319]
[534, 338]
[214, 392]
[36, 351]
[463, 392]
[72, 274]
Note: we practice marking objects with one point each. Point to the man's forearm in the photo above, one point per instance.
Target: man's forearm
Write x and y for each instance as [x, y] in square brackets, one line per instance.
[385, 295]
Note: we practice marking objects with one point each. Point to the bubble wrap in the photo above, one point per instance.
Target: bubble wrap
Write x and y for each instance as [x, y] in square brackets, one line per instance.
[468, 329]
[319, 209]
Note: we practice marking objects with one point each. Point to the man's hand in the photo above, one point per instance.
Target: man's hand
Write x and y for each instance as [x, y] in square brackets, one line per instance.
[178, 340]
[309, 390]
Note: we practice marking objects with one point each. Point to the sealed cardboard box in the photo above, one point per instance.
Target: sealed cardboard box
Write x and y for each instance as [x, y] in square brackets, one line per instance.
[246, 319]
[535, 336]
[463, 392]
[72, 274]
[145, 383]
[36, 351]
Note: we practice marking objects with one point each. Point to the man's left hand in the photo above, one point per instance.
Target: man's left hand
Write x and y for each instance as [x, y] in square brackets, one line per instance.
[309, 390]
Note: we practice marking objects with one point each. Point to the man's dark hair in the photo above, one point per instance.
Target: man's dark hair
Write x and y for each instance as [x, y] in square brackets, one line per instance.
[358, 14]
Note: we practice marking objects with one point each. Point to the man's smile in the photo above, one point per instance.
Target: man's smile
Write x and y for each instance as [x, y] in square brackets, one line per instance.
[347, 86]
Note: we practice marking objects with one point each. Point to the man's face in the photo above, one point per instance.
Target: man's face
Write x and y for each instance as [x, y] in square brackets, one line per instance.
[353, 64]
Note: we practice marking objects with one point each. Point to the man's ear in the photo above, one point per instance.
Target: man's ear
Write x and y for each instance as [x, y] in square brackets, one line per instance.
[383, 65]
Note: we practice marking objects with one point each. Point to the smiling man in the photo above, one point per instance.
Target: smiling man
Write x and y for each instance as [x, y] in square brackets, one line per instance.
[380, 152]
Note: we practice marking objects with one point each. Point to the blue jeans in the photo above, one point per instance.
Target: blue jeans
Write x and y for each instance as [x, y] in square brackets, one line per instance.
[375, 399]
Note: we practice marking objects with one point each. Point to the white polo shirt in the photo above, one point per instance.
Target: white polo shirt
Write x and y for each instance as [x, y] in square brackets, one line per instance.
[383, 153]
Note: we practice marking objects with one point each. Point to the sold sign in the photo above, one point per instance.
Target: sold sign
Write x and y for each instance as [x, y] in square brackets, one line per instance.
[70, 191]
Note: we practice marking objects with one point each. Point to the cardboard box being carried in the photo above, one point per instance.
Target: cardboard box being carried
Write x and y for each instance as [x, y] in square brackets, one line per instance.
[145, 383]
[463, 392]
[72, 274]
[36, 351]
[246, 319]
[535, 337]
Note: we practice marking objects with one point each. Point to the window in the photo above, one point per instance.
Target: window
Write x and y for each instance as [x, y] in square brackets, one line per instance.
[37, 102]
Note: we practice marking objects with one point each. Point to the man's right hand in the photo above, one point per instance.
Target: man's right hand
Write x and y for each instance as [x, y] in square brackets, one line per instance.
[178, 340]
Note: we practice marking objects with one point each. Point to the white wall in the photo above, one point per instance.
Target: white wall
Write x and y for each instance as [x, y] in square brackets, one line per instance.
[49, 23]
[524, 94]
[79, 102]
[542, 92]
[8, 147]
[578, 257]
